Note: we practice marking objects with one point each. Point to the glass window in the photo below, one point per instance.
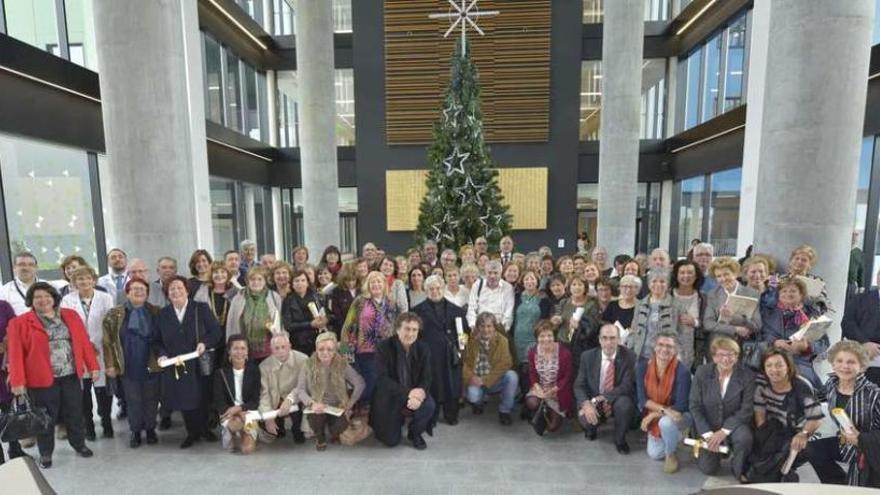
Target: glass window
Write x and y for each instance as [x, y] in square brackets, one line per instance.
[342, 16]
[713, 77]
[653, 98]
[48, 196]
[656, 10]
[690, 219]
[648, 216]
[861, 212]
[283, 18]
[724, 211]
[694, 69]
[252, 107]
[33, 22]
[591, 99]
[592, 11]
[233, 91]
[81, 33]
[736, 55]
[876, 38]
[213, 80]
[223, 215]
[288, 109]
[344, 107]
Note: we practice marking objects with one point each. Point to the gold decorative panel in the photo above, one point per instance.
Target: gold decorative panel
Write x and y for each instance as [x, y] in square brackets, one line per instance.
[524, 190]
[512, 59]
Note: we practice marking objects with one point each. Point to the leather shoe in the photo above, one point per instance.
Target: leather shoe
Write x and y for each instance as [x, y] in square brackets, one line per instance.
[187, 442]
[623, 448]
[135, 441]
[108, 433]
[84, 452]
[505, 419]
[90, 434]
[476, 409]
[152, 439]
[590, 434]
[45, 462]
[298, 437]
[418, 442]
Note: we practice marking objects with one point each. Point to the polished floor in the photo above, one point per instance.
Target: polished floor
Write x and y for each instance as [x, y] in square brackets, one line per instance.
[476, 456]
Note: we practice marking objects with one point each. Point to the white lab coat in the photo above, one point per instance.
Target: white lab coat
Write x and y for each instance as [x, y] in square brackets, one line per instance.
[101, 303]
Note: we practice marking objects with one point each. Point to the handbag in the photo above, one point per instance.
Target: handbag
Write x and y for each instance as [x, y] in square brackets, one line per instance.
[24, 421]
[539, 419]
[752, 353]
[206, 360]
[358, 430]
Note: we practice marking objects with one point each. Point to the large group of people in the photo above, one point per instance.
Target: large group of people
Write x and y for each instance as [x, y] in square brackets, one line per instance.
[251, 349]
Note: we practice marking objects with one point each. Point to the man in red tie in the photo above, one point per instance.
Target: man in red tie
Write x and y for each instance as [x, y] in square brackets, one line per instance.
[605, 386]
[505, 249]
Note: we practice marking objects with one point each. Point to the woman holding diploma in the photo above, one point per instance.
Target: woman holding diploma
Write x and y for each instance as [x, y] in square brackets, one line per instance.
[849, 390]
[719, 317]
[785, 319]
[237, 391]
[186, 326]
[255, 313]
[303, 314]
[324, 389]
[128, 336]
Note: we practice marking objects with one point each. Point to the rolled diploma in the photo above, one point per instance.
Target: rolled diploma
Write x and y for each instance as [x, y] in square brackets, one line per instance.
[703, 445]
[164, 363]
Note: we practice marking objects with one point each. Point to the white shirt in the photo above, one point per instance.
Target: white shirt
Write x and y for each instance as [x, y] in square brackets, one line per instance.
[180, 312]
[108, 282]
[101, 303]
[498, 301]
[238, 377]
[606, 362]
[14, 293]
[724, 384]
[460, 298]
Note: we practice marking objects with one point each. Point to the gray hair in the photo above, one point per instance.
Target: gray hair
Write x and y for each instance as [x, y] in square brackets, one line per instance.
[469, 268]
[494, 265]
[280, 334]
[434, 281]
[631, 280]
[246, 243]
[656, 273]
[705, 246]
[666, 334]
[429, 242]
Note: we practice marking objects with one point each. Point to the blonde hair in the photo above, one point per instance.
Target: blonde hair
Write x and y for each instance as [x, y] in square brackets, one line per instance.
[724, 263]
[852, 347]
[365, 288]
[723, 343]
[805, 250]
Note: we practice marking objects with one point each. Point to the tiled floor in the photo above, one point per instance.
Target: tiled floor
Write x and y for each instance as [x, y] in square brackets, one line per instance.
[476, 456]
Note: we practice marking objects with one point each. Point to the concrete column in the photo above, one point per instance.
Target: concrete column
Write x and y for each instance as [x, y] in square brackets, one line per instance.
[757, 74]
[811, 133]
[622, 48]
[317, 112]
[149, 56]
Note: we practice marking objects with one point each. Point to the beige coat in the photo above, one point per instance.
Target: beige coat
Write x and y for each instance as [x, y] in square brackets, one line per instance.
[278, 380]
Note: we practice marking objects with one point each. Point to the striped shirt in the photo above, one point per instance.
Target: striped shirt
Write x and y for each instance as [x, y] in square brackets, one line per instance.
[780, 406]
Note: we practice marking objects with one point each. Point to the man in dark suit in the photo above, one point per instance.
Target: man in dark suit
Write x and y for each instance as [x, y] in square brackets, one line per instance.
[605, 386]
[861, 322]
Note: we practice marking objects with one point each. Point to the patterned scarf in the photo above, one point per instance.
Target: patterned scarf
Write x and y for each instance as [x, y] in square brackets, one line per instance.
[792, 318]
[255, 317]
[482, 367]
[138, 323]
[659, 390]
[372, 321]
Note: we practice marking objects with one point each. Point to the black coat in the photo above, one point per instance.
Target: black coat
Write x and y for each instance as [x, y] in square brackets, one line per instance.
[861, 319]
[587, 383]
[389, 396]
[439, 332]
[340, 302]
[298, 320]
[183, 391]
[224, 388]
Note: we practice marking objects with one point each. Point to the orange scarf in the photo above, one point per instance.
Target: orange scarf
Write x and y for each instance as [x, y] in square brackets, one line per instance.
[659, 390]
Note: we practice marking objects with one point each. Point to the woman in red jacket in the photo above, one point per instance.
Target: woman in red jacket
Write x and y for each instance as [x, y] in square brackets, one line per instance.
[550, 377]
[49, 350]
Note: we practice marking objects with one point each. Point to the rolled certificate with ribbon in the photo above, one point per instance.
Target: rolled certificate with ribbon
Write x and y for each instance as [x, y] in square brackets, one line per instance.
[701, 444]
[313, 308]
[459, 330]
[842, 419]
[178, 360]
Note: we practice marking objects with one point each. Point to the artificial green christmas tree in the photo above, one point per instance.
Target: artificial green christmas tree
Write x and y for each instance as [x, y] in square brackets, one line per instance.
[463, 201]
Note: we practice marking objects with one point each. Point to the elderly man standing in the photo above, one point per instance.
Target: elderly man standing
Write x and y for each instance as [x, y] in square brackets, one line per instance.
[166, 267]
[505, 249]
[660, 260]
[605, 386]
[13, 292]
[599, 256]
[703, 254]
[448, 259]
[430, 250]
[493, 295]
[280, 374]
[369, 253]
[248, 249]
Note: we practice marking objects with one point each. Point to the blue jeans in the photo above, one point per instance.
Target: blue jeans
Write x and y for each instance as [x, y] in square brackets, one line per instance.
[670, 436]
[506, 386]
[365, 364]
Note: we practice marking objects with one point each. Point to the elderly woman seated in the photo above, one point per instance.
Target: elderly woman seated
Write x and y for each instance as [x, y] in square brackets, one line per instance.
[550, 377]
[324, 391]
[663, 385]
[721, 404]
[237, 391]
[785, 319]
[787, 415]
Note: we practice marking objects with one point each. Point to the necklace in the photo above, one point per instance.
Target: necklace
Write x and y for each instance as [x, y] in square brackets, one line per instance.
[221, 318]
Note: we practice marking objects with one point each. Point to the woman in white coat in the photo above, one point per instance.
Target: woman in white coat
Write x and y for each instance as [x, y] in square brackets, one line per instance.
[92, 305]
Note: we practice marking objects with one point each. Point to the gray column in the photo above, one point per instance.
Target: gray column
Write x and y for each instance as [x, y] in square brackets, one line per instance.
[622, 48]
[149, 58]
[814, 109]
[317, 113]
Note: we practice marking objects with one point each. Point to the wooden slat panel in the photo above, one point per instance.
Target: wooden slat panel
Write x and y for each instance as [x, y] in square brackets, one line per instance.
[513, 61]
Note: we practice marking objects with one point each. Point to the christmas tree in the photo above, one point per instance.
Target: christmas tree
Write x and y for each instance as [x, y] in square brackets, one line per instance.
[463, 200]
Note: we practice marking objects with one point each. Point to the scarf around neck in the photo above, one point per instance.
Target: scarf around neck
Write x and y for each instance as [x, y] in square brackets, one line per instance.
[138, 320]
[256, 315]
[659, 390]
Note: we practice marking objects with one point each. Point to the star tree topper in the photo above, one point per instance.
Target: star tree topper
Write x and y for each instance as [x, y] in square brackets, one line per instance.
[464, 15]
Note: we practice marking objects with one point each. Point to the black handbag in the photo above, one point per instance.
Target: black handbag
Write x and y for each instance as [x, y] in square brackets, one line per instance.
[206, 360]
[24, 421]
[539, 419]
